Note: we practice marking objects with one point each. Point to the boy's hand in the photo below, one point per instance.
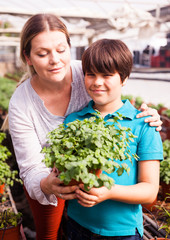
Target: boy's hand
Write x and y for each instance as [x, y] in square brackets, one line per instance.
[92, 197]
[154, 120]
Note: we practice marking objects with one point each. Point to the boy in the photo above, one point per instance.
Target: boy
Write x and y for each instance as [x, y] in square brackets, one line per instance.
[116, 213]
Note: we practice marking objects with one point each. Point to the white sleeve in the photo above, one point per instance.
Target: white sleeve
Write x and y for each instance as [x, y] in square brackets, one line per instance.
[27, 150]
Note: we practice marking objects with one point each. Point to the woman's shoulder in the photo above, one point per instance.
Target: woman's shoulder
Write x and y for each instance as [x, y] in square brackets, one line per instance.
[76, 67]
[20, 94]
[76, 64]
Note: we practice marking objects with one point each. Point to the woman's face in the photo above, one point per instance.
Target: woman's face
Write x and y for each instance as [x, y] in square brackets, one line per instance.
[50, 56]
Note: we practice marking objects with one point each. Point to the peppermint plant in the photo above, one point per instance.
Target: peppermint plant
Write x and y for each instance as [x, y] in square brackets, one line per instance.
[79, 148]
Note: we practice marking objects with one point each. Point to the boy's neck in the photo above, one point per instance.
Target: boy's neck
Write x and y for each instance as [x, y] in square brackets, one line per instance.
[108, 108]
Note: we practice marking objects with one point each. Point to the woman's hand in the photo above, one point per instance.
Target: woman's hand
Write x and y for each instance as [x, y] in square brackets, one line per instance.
[154, 120]
[92, 197]
[53, 185]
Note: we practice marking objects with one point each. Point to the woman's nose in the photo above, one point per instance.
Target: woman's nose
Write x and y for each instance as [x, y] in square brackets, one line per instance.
[54, 58]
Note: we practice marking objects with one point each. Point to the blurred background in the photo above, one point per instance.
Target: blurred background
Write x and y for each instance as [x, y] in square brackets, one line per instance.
[144, 25]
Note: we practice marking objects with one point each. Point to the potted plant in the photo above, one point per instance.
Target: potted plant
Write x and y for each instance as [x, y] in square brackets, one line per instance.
[9, 220]
[7, 176]
[165, 169]
[81, 148]
[164, 212]
[10, 223]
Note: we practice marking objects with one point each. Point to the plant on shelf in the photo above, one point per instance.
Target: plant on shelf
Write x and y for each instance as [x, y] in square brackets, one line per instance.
[7, 87]
[7, 176]
[81, 148]
[165, 168]
[165, 164]
[10, 224]
[164, 212]
[9, 218]
[166, 113]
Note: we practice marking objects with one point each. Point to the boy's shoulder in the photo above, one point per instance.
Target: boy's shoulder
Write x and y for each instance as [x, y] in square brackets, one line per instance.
[128, 110]
[72, 116]
[88, 109]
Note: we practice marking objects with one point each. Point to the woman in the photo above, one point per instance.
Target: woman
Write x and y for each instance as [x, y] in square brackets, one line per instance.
[54, 89]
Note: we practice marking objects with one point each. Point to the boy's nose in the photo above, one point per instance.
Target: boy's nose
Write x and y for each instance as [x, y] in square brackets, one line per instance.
[98, 81]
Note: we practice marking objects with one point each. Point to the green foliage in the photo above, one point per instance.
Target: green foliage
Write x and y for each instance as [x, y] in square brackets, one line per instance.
[166, 112]
[165, 214]
[15, 76]
[129, 97]
[8, 218]
[138, 102]
[165, 164]
[7, 88]
[7, 176]
[82, 147]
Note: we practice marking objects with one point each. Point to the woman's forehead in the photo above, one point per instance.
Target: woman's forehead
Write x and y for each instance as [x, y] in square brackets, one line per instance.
[49, 38]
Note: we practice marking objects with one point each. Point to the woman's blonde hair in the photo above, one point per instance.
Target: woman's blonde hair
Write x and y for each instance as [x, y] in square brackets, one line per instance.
[36, 24]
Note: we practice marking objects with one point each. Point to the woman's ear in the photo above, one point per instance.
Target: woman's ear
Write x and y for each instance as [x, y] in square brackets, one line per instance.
[125, 81]
[27, 59]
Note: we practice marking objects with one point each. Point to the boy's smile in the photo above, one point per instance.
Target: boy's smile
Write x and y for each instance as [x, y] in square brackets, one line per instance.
[105, 90]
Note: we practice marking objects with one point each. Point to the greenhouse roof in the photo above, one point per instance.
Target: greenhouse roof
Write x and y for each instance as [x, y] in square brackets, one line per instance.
[85, 18]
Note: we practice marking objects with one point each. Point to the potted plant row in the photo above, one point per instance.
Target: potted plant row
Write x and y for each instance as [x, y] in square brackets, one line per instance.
[80, 148]
[10, 221]
[165, 170]
[163, 211]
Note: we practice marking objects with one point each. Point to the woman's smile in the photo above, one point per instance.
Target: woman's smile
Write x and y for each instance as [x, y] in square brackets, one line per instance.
[55, 70]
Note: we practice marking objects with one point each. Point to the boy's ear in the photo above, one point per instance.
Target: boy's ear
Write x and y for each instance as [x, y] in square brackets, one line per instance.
[27, 59]
[125, 81]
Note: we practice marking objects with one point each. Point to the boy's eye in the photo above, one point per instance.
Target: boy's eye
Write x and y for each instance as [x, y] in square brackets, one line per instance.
[108, 75]
[90, 74]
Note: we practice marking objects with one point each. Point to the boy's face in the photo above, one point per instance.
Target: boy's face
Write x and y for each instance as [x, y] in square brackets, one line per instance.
[104, 89]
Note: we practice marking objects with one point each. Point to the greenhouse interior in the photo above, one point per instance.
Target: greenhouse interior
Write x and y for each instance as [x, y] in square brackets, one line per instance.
[144, 26]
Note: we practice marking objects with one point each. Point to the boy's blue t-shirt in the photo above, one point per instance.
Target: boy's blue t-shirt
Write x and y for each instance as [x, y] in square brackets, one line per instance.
[112, 218]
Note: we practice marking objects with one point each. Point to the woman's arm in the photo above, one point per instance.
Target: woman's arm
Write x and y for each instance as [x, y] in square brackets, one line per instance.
[144, 192]
[154, 120]
[40, 183]
[27, 150]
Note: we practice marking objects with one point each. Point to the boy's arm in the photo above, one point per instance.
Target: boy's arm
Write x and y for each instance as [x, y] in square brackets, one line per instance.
[144, 192]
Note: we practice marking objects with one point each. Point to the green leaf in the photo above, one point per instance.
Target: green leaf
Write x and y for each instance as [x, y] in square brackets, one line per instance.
[79, 148]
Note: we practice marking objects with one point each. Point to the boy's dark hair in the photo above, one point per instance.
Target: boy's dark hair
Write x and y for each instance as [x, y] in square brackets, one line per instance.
[108, 56]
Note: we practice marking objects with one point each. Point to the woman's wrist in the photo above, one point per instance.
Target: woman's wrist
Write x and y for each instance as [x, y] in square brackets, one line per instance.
[43, 186]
